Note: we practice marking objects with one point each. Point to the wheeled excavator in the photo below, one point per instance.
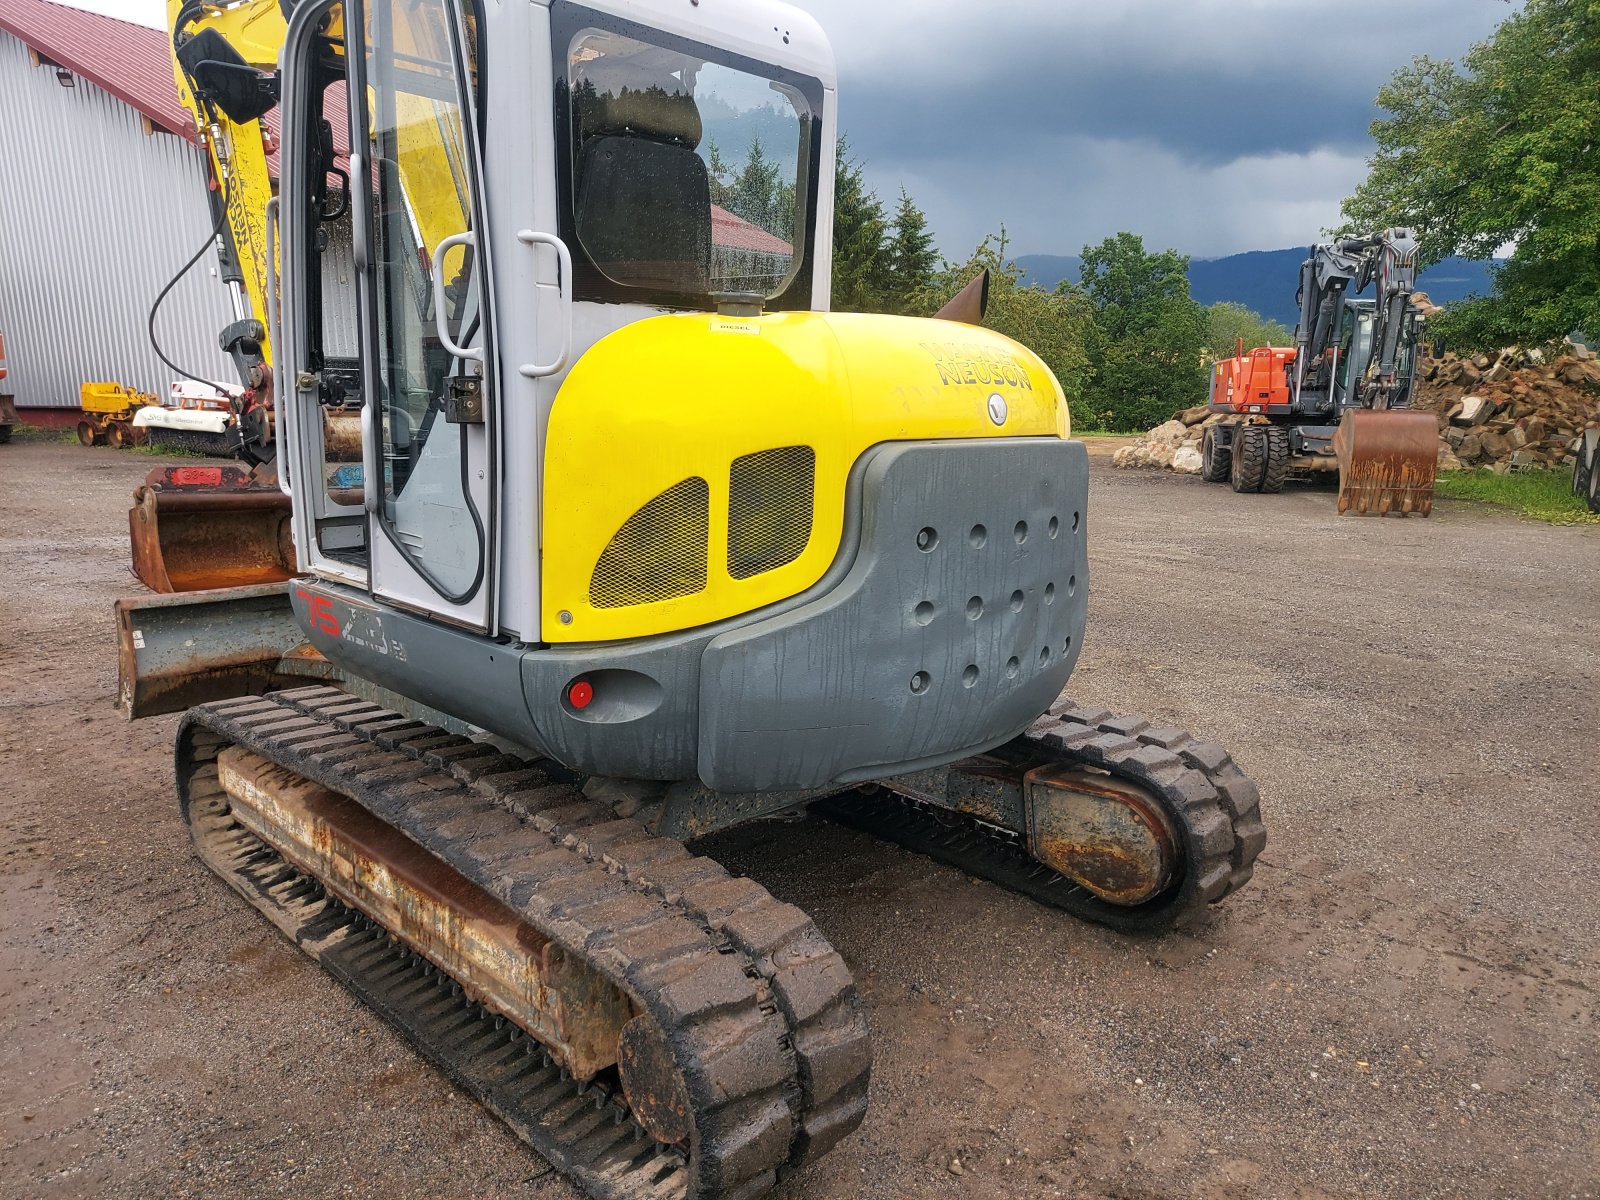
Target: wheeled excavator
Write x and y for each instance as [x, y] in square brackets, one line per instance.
[1341, 393]
[644, 543]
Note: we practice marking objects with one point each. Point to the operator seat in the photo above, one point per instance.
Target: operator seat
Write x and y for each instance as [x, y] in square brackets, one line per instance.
[642, 195]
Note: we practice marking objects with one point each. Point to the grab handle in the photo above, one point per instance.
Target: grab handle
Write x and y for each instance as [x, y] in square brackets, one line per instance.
[529, 237]
[474, 353]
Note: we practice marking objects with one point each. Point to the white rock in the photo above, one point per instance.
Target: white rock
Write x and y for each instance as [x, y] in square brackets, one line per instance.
[1187, 460]
[1168, 431]
[1474, 410]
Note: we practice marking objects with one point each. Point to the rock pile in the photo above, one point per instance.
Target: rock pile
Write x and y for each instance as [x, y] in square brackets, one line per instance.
[1520, 408]
[1174, 444]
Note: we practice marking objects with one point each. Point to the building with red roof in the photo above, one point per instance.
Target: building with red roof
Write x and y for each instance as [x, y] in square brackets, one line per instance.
[103, 197]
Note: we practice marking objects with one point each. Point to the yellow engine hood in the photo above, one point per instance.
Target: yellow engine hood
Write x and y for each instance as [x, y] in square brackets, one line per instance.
[687, 410]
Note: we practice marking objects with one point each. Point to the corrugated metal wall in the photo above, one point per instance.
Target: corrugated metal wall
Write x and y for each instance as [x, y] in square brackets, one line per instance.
[95, 217]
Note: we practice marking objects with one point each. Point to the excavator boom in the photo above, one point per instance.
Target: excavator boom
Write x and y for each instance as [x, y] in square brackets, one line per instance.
[201, 528]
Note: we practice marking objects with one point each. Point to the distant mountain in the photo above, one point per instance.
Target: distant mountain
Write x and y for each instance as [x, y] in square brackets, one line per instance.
[1265, 280]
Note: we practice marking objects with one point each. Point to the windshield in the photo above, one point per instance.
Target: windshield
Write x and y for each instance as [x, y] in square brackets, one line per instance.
[689, 175]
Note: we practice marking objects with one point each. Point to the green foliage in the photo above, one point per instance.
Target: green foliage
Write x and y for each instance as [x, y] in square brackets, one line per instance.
[863, 266]
[1127, 345]
[758, 192]
[1227, 322]
[913, 261]
[163, 450]
[1501, 149]
[1145, 346]
[1051, 324]
[1543, 495]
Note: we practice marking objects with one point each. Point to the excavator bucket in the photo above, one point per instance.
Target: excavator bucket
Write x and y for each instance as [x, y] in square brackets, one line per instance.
[1387, 460]
[194, 528]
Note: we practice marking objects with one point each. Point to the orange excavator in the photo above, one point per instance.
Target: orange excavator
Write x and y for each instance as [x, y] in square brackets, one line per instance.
[1341, 393]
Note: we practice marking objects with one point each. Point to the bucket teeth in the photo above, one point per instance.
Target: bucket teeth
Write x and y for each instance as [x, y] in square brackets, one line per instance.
[1387, 461]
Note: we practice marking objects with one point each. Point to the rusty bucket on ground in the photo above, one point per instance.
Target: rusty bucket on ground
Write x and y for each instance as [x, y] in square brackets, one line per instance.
[194, 528]
[1387, 460]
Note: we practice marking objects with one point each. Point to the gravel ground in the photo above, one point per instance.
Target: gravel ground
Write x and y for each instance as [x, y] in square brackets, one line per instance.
[1401, 1005]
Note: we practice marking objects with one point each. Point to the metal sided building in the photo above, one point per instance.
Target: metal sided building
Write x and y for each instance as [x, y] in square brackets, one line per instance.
[102, 199]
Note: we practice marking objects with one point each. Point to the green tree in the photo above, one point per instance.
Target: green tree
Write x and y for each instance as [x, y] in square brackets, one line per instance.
[1051, 324]
[1227, 322]
[1499, 150]
[863, 275]
[1146, 344]
[913, 261]
[719, 173]
[754, 193]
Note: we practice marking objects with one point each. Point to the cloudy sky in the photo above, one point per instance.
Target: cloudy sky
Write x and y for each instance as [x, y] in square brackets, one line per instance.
[1212, 126]
[1209, 125]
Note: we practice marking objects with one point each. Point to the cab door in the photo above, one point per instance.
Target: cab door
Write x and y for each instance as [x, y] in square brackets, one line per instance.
[430, 417]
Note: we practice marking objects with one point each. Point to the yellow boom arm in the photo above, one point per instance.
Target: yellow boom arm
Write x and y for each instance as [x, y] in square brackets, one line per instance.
[255, 29]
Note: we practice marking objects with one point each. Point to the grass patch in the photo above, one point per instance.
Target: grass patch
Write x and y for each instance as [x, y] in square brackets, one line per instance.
[42, 433]
[154, 450]
[1542, 495]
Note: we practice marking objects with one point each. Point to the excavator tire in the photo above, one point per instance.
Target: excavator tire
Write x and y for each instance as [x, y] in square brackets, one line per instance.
[743, 1014]
[88, 435]
[1215, 460]
[1586, 469]
[1275, 468]
[1248, 468]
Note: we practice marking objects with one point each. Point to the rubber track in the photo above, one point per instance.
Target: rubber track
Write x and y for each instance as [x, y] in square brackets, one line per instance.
[1213, 804]
[761, 1011]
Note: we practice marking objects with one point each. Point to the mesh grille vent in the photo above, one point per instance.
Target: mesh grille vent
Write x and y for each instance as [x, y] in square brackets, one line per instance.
[660, 551]
[769, 509]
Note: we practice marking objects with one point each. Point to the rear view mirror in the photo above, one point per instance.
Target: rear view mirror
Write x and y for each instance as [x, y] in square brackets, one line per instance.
[221, 75]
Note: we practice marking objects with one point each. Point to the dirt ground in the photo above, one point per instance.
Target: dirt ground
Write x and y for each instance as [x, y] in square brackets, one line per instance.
[1402, 1005]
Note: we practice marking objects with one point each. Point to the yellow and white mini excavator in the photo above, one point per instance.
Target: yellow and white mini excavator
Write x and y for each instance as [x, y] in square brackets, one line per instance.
[638, 542]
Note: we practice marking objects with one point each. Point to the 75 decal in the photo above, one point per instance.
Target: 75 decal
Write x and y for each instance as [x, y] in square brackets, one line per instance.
[320, 611]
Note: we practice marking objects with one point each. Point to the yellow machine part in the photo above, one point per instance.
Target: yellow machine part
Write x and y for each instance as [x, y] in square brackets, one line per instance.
[696, 464]
[111, 398]
[430, 152]
[256, 29]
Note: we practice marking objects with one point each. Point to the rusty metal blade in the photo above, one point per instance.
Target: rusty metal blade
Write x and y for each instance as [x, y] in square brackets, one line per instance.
[199, 528]
[970, 303]
[175, 651]
[1387, 460]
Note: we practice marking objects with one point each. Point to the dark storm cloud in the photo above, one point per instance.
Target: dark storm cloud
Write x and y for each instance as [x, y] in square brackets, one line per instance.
[1128, 106]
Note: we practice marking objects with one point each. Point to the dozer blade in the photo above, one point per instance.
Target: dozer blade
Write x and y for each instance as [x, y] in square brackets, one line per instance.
[1387, 460]
[195, 528]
